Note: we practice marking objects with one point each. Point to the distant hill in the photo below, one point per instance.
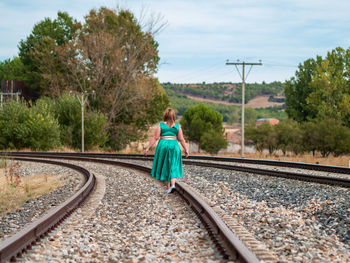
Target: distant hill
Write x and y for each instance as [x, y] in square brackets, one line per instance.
[265, 105]
[229, 93]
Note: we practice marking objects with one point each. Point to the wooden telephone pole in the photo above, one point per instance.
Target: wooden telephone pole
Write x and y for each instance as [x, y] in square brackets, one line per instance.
[82, 98]
[243, 77]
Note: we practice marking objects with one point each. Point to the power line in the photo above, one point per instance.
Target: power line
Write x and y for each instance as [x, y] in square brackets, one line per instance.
[272, 63]
[201, 72]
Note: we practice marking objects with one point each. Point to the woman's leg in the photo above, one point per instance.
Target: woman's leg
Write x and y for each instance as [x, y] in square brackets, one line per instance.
[167, 184]
[172, 181]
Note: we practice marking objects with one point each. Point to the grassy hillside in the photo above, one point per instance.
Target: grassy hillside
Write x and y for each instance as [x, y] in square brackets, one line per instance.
[231, 113]
[226, 91]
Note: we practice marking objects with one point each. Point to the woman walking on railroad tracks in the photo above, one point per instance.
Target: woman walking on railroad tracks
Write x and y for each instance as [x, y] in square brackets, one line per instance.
[167, 162]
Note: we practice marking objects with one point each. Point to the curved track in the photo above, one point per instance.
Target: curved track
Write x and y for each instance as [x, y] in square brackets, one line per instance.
[24, 239]
[226, 241]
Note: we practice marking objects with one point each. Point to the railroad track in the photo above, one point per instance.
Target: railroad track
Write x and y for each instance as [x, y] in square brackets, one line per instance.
[200, 207]
[230, 246]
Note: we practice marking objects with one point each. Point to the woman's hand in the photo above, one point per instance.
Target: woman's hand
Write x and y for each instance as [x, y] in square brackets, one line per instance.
[186, 154]
[145, 152]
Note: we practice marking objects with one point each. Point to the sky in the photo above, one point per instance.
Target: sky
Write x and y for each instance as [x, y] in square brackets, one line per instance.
[201, 35]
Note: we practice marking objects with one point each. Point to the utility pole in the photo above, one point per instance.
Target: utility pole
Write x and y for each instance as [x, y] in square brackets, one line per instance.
[82, 98]
[243, 77]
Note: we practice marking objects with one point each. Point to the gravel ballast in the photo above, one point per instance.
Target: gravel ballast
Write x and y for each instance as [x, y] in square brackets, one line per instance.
[299, 221]
[15, 220]
[131, 220]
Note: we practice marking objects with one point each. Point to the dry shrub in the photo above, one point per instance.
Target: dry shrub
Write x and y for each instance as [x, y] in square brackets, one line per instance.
[29, 187]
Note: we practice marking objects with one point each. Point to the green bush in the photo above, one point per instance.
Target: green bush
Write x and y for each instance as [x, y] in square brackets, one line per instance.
[94, 130]
[48, 124]
[44, 133]
[329, 137]
[13, 131]
[23, 127]
[262, 137]
[212, 142]
[289, 136]
[67, 111]
[200, 119]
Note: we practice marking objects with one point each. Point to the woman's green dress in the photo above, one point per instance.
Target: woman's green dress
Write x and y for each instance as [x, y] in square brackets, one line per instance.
[167, 162]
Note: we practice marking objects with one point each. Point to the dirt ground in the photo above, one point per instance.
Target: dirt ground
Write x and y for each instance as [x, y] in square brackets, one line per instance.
[262, 102]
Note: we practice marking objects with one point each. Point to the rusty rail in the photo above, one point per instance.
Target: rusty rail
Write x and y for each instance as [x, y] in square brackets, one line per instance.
[19, 243]
[232, 245]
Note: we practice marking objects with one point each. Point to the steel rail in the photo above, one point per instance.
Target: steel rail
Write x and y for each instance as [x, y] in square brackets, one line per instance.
[344, 182]
[236, 249]
[17, 244]
[226, 241]
[308, 166]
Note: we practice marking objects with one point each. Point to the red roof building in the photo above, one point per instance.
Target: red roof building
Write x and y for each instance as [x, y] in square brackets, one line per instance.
[272, 121]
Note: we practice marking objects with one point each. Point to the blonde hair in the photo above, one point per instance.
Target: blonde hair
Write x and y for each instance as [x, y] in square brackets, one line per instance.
[169, 115]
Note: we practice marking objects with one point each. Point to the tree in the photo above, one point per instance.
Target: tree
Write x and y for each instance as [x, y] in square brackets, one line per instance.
[320, 89]
[111, 55]
[262, 137]
[298, 89]
[341, 141]
[46, 35]
[212, 142]
[330, 97]
[289, 137]
[201, 119]
[12, 69]
[309, 130]
[331, 137]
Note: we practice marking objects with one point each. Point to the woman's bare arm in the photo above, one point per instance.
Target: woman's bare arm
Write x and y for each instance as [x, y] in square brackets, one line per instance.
[153, 140]
[181, 139]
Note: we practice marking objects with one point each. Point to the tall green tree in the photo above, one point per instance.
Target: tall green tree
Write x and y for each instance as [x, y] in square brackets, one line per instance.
[199, 120]
[320, 88]
[46, 35]
[298, 89]
[330, 97]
